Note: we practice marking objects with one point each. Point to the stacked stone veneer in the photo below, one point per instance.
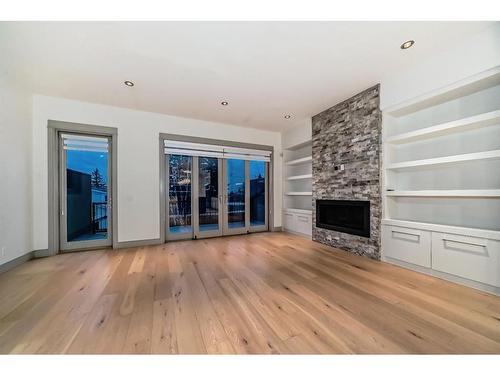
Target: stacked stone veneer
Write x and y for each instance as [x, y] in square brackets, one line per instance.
[350, 134]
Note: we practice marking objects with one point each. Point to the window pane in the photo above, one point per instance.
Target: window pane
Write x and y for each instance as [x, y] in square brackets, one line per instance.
[236, 193]
[87, 195]
[208, 200]
[179, 202]
[257, 193]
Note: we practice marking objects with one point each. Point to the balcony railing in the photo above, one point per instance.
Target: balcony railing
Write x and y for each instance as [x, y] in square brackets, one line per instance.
[99, 217]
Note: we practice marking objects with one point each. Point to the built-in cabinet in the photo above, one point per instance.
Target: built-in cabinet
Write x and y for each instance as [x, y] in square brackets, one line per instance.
[441, 182]
[297, 197]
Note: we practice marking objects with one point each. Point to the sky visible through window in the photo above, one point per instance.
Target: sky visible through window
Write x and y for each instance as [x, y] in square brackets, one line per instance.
[87, 162]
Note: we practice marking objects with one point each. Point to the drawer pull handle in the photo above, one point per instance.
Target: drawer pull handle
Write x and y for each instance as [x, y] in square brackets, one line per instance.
[400, 235]
[303, 219]
[472, 248]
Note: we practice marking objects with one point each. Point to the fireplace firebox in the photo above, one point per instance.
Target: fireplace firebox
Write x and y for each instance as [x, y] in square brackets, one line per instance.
[345, 216]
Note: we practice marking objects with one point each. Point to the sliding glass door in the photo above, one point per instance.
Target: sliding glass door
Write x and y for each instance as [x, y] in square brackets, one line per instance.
[85, 191]
[213, 192]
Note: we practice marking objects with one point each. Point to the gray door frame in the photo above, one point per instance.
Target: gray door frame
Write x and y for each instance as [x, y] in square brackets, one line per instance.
[185, 138]
[64, 244]
[54, 128]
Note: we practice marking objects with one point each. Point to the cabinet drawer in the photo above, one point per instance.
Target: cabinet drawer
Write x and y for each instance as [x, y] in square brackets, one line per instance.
[473, 258]
[303, 224]
[409, 245]
[288, 221]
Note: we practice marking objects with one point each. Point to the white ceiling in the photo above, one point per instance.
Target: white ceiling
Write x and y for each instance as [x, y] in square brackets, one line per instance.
[263, 69]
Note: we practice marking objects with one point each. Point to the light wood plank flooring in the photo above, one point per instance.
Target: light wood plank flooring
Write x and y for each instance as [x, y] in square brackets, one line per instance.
[259, 293]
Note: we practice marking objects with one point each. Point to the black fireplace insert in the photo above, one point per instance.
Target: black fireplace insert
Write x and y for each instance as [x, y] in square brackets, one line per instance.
[351, 217]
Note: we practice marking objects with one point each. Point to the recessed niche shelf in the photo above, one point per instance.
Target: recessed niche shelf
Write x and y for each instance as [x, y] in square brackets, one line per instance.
[469, 123]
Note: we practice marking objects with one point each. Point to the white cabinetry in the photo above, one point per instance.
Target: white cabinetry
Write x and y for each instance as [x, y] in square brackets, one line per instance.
[474, 258]
[408, 245]
[297, 183]
[441, 182]
[298, 221]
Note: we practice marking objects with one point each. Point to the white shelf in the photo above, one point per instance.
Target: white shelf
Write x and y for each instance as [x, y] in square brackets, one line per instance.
[458, 89]
[298, 211]
[299, 146]
[299, 161]
[469, 123]
[495, 154]
[298, 193]
[465, 231]
[486, 193]
[299, 177]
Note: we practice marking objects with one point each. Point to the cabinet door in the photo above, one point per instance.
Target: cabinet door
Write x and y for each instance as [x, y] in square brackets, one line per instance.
[304, 224]
[473, 258]
[409, 245]
[288, 221]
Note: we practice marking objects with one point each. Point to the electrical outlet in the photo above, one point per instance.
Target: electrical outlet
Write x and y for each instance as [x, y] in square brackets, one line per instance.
[2, 252]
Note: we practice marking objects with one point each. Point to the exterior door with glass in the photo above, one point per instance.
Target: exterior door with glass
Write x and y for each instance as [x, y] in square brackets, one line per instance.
[245, 196]
[215, 190]
[85, 191]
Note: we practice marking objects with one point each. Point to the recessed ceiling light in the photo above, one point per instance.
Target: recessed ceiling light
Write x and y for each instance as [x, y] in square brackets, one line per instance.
[224, 103]
[407, 44]
[287, 116]
[129, 83]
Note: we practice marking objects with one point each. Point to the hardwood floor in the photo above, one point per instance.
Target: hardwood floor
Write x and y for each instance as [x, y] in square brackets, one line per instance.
[259, 293]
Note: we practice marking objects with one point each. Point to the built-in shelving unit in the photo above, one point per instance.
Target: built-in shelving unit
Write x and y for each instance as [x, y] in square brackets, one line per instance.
[297, 186]
[441, 182]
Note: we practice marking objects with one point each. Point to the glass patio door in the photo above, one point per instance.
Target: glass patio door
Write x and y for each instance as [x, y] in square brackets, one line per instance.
[235, 196]
[180, 197]
[245, 196]
[85, 191]
[215, 190]
[208, 179]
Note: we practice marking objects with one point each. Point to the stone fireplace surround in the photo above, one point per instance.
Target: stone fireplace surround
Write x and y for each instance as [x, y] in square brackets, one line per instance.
[349, 134]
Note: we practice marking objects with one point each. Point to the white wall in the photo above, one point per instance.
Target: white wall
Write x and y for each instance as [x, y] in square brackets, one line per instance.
[138, 159]
[297, 135]
[467, 57]
[15, 171]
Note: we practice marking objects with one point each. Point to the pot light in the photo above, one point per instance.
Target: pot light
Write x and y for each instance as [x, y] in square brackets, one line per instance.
[407, 44]
[129, 83]
[224, 103]
[287, 116]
